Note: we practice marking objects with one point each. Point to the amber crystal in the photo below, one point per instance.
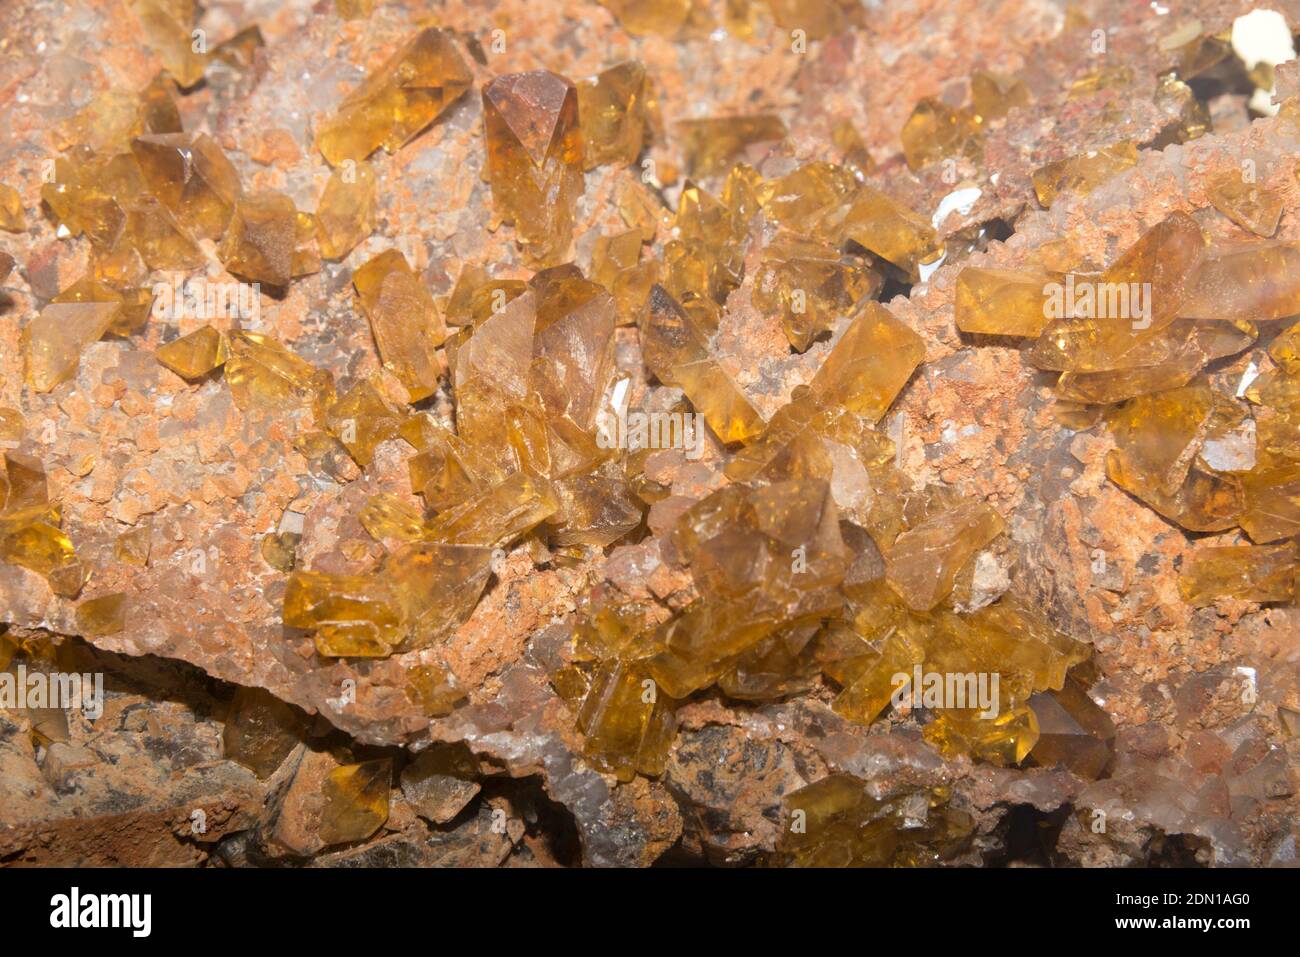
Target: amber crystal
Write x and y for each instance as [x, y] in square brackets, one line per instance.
[352, 615]
[1084, 172]
[892, 231]
[167, 26]
[196, 354]
[810, 295]
[191, 176]
[12, 218]
[54, 340]
[923, 563]
[936, 131]
[678, 355]
[1072, 731]
[1251, 573]
[611, 108]
[261, 731]
[1247, 203]
[345, 215]
[834, 822]
[262, 373]
[535, 158]
[105, 615]
[404, 320]
[395, 103]
[994, 95]
[713, 144]
[355, 801]
[1001, 302]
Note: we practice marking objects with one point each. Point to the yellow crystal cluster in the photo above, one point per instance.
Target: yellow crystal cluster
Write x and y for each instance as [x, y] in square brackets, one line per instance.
[1131, 345]
[31, 533]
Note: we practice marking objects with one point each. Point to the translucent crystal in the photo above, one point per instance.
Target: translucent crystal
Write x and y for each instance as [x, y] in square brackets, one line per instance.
[535, 158]
[395, 103]
[355, 801]
[404, 320]
[194, 355]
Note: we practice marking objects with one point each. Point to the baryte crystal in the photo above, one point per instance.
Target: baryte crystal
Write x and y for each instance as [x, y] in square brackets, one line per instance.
[497, 515]
[1001, 302]
[923, 563]
[834, 822]
[535, 158]
[395, 103]
[432, 690]
[105, 615]
[856, 157]
[438, 586]
[160, 239]
[810, 295]
[1256, 281]
[611, 108]
[809, 200]
[869, 365]
[404, 320]
[678, 355]
[440, 782]
[713, 144]
[448, 470]
[892, 231]
[167, 27]
[1246, 202]
[1072, 731]
[650, 17]
[192, 177]
[477, 296]
[1084, 172]
[936, 131]
[54, 340]
[353, 616]
[11, 428]
[264, 239]
[260, 731]
[819, 19]
[345, 215]
[280, 550]
[12, 218]
[361, 419]
[355, 801]
[1250, 573]
[262, 373]
[994, 95]
[628, 722]
[1271, 500]
[1005, 739]
[196, 354]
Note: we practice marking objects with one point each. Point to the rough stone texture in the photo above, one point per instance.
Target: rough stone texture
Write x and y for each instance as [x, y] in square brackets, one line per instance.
[1198, 774]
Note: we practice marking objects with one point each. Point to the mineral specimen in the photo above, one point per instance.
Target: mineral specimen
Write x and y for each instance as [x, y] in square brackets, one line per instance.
[404, 320]
[535, 158]
[412, 89]
[355, 800]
